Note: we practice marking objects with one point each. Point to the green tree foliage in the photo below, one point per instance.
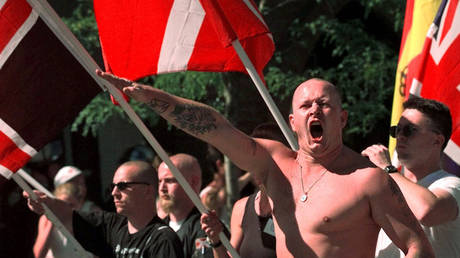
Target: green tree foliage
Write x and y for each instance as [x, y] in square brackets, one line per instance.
[354, 44]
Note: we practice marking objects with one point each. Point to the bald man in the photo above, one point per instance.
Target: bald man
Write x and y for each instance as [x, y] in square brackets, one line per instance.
[182, 217]
[133, 231]
[326, 199]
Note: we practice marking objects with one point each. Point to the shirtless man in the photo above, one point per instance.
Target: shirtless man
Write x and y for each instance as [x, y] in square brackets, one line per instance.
[327, 200]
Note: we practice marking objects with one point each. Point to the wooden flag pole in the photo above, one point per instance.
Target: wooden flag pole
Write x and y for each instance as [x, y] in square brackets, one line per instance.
[29, 179]
[74, 244]
[74, 46]
[220, 22]
[265, 94]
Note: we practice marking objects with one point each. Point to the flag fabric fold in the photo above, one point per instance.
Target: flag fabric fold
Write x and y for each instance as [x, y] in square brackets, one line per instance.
[435, 72]
[418, 17]
[153, 37]
[42, 86]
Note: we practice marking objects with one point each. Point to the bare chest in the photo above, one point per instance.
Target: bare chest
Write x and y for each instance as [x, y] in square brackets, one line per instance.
[335, 203]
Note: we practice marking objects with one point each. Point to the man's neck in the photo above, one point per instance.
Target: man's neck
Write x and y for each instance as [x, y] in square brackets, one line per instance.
[324, 159]
[177, 215]
[136, 223]
[415, 172]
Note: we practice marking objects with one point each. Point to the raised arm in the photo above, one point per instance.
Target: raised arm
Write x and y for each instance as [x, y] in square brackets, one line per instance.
[61, 209]
[390, 211]
[431, 208]
[200, 121]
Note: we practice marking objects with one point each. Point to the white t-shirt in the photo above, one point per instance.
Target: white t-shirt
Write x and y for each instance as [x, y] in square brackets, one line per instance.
[444, 238]
[175, 225]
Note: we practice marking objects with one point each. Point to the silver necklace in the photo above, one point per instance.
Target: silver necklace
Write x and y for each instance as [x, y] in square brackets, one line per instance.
[304, 196]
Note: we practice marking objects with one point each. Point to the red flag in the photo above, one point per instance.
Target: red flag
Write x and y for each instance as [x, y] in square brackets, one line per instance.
[152, 37]
[417, 19]
[435, 73]
[42, 86]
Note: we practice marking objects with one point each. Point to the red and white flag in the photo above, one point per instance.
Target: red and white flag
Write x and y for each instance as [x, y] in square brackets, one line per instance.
[148, 37]
[42, 86]
[435, 72]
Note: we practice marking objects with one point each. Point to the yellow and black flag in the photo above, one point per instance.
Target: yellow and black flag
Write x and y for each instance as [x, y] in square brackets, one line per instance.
[418, 18]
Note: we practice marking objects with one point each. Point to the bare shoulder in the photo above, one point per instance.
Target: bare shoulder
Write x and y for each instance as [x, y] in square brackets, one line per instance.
[282, 156]
[372, 178]
[42, 220]
[238, 211]
[364, 173]
[239, 205]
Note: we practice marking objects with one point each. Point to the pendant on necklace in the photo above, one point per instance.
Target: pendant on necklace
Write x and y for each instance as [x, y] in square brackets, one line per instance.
[303, 198]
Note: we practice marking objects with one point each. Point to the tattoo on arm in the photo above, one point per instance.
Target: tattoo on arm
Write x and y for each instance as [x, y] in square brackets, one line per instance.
[158, 105]
[395, 190]
[405, 210]
[196, 119]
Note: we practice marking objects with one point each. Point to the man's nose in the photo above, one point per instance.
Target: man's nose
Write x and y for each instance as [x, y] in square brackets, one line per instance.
[115, 191]
[314, 109]
[162, 187]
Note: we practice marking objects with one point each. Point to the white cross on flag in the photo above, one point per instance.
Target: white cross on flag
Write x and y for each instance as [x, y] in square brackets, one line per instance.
[42, 86]
[152, 37]
[435, 72]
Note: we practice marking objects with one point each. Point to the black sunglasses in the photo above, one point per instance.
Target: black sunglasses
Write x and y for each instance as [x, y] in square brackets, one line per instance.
[123, 185]
[406, 131]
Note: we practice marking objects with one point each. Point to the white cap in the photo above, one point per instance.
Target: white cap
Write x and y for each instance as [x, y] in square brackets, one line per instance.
[65, 174]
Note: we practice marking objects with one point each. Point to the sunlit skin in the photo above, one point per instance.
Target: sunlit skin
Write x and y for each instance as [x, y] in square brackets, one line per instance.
[348, 205]
[128, 201]
[316, 101]
[42, 242]
[168, 189]
[173, 199]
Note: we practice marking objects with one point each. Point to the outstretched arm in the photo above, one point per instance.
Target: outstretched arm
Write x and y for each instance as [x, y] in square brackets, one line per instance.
[431, 208]
[200, 121]
[61, 209]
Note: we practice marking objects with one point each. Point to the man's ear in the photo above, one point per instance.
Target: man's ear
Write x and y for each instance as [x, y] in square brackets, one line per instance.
[219, 163]
[439, 140]
[291, 122]
[195, 183]
[344, 118]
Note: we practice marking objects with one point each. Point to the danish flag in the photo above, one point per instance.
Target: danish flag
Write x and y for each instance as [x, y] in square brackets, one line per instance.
[163, 36]
[42, 86]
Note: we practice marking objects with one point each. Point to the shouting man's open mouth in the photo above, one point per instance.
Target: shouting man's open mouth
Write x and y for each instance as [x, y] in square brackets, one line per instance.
[316, 130]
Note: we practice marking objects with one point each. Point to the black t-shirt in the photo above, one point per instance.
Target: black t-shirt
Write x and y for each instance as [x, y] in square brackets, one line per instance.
[106, 235]
[190, 233]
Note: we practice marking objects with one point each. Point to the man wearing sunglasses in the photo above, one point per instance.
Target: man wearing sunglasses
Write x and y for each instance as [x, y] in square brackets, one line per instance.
[326, 199]
[433, 194]
[133, 231]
